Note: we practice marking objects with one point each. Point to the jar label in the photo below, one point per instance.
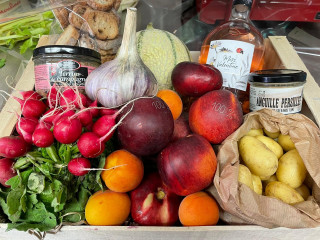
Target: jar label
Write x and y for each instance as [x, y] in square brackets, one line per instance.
[283, 100]
[233, 59]
[66, 72]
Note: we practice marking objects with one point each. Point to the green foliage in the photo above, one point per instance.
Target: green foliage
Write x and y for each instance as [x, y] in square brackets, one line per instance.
[44, 193]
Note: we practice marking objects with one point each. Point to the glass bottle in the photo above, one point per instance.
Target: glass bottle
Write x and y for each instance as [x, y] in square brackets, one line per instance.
[236, 48]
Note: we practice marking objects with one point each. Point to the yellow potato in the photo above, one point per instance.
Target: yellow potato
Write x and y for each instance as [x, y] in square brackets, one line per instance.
[255, 132]
[272, 145]
[304, 191]
[245, 176]
[286, 142]
[291, 169]
[260, 160]
[271, 179]
[257, 184]
[271, 134]
[283, 192]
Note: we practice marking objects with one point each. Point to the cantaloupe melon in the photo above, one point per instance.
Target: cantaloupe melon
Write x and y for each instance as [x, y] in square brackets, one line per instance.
[161, 51]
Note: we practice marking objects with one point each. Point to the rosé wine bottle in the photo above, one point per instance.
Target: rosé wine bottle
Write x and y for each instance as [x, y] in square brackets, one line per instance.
[236, 48]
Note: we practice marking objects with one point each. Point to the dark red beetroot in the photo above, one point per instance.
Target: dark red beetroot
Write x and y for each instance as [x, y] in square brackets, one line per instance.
[6, 170]
[215, 115]
[187, 165]
[148, 128]
[192, 79]
[13, 146]
[79, 166]
[153, 204]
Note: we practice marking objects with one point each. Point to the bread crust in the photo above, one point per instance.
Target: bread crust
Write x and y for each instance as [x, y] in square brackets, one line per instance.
[104, 25]
[76, 16]
[102, 5]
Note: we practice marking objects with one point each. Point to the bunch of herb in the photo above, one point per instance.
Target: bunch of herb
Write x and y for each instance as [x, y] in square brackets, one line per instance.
[44, 193]
[26, 31]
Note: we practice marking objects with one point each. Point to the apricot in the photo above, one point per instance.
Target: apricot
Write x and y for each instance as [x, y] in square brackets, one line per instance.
[199, 209]
[125, 171]
[107, 208]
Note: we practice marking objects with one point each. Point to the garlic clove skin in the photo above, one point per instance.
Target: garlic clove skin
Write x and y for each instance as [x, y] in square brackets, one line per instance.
[124, 78]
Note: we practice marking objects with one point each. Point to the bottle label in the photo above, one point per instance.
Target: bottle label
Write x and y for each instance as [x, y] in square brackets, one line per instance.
[233, 59]
[284, 100]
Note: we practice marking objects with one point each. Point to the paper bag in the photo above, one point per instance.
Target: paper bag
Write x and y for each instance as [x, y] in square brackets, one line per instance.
[241, 205]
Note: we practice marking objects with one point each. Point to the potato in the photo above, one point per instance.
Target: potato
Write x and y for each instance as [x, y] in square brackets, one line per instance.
[283, 192]
[245, 176]
[260, 160]
[304, 191]
[291, 169]
[271, 179]
[255, 132]
[286, 142]
[257, 184]
[272, 145]
[271, 134]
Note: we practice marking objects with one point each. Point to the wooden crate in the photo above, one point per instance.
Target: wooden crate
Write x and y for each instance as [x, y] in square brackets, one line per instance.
[280, 54]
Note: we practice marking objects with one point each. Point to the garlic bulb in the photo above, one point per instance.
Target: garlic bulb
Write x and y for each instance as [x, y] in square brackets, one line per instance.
[124, 78]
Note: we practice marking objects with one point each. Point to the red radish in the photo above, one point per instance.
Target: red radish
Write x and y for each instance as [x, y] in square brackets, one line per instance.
[67, 130]
[52, 97]
[79, 166]
[31, 107]
[43, 124]
[13, 146]
[42, 136]
[25, 127]
[85, 118]
[50, 115]
[79, 100]
[103, 125]
[107, 111]
[93, 109]
[6, 170]
[90, 145]
[66, 113]
[88, 101]
[30, 95]
[67, 98]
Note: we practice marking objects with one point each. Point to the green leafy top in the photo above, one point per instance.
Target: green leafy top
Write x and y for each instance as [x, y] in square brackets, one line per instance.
[44, 193]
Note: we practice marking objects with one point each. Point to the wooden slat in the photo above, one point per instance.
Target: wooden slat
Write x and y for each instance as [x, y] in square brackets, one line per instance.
[8, 116]
[291, 60]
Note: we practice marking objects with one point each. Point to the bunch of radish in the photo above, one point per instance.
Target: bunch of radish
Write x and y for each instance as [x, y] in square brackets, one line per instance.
[66, 116]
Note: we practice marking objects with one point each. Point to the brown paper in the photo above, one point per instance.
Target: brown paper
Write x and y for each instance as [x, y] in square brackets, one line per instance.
[241, 205]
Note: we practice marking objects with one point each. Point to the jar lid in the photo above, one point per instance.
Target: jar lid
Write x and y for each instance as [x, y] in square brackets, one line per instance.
[278, 76]
[65, 49]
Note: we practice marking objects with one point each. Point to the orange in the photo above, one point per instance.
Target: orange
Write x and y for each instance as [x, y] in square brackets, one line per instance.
[173, 100]
[107, 208]
[125, 171]
[198, 209]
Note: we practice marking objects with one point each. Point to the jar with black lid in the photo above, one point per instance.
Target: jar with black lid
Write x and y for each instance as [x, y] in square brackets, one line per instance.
[278, 89]
[63, 65]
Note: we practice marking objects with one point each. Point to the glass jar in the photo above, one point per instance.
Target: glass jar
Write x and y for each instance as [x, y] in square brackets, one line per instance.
[278, 89]
[63, 66]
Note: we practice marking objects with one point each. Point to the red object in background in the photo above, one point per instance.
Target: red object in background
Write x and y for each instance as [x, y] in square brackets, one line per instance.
[262, 10]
